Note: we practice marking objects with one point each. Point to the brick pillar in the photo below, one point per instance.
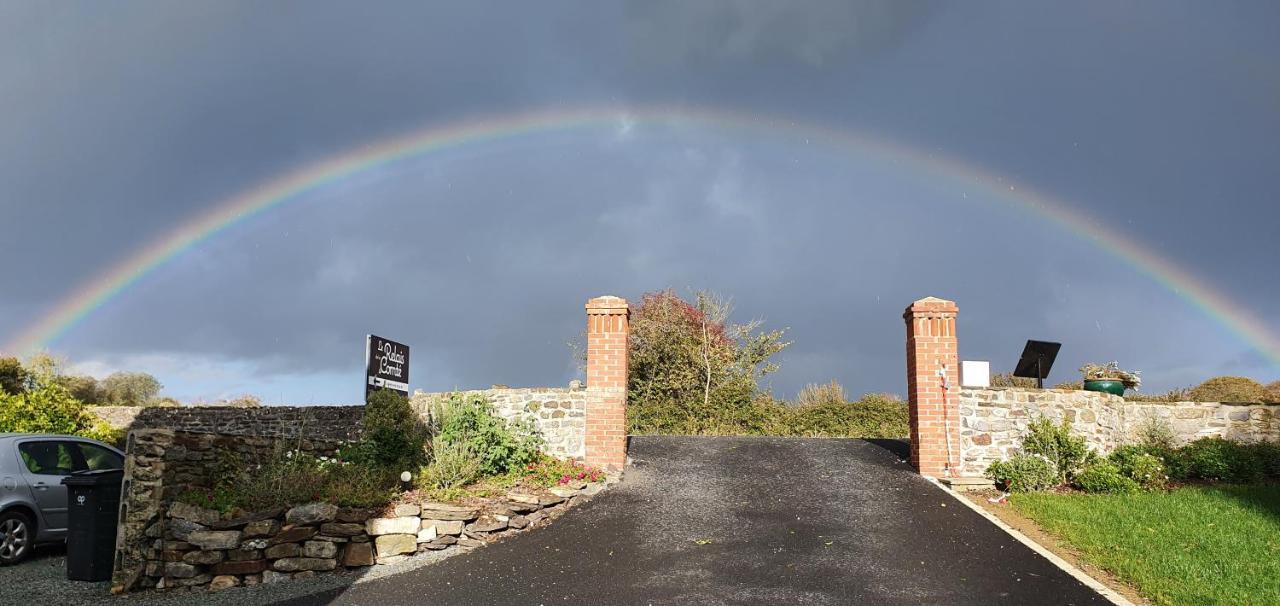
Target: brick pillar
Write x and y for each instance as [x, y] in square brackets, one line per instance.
[607, 327]
[934, 412]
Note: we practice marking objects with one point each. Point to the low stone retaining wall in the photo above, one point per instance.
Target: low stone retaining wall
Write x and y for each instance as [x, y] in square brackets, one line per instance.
[198, 548]
[993, 421]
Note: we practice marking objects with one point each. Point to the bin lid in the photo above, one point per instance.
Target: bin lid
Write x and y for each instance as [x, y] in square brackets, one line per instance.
[94, 478]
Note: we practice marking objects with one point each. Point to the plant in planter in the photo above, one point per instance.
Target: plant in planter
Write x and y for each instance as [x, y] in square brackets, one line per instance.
[1109, 378]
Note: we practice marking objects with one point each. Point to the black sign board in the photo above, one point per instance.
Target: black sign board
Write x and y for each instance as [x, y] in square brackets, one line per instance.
[386, 366]
[1036, 361]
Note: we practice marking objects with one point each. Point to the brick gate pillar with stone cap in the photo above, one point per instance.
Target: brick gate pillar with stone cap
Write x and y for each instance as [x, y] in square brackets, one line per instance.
[608, 323]
[934, 411]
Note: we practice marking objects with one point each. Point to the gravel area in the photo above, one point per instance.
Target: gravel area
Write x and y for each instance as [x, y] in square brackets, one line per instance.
[42, 580]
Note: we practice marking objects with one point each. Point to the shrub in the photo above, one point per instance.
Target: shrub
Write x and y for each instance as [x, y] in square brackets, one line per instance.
[1139, 465]
[289, 477]
[1269, 456]
[1156, 436]
[1067, 453]
[1006, 379]
[453, 464]
[13, 377]
[501, 446]
[1228, 389]
[103, 432]
[874, 416]
[819, 395]
[1177, 394]
[1105, 478]
[50, 408]
[1271, 393]
[393, 434]
[1023, 473]
[1219, 459]
[551, 471]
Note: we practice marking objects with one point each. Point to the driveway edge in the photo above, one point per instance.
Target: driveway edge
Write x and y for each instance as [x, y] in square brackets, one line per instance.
[1066, 566]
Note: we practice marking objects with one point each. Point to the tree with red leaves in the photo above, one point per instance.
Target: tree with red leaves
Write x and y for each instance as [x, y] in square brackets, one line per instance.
[690, 369]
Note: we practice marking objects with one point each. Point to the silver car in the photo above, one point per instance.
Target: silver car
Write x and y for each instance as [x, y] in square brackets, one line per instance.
[33, 501]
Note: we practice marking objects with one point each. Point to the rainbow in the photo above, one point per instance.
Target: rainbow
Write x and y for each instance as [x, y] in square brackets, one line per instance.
[92, 295]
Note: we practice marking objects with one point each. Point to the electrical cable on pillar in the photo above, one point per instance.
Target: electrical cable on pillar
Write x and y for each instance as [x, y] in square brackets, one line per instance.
[946, 414]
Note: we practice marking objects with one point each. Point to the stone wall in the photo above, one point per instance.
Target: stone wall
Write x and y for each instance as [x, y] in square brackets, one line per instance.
[1193, 420]
[993, 421]
[318, 422]
[161, 464]
[119, 417]
[166, 544]
[558, 413]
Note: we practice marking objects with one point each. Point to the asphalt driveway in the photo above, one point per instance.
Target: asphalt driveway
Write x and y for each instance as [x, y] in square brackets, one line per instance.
[747, 521]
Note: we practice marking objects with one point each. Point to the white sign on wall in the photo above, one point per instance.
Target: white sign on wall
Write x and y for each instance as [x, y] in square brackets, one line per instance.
[975, 374]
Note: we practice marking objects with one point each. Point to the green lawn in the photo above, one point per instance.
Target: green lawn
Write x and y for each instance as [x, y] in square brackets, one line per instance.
[1218, 545]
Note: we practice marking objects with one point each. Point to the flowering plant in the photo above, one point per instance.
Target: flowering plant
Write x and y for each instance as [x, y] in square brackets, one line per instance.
[550, 472]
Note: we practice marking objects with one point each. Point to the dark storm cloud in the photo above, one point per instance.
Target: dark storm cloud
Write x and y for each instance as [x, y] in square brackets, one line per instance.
[483, 266]
[121, 122]
[675, 34]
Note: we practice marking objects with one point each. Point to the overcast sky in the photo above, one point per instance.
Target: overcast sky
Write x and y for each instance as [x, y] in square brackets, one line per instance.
[121, 121]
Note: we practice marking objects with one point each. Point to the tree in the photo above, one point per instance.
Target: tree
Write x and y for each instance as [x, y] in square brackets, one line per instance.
[690, 370]
[43, 369]
[13, 377]
[130, 389]
[81, 387]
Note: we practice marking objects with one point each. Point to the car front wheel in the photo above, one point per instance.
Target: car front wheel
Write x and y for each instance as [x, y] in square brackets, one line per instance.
[15, 538]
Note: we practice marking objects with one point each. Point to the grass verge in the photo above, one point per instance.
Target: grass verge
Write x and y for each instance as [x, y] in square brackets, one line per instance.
[1195, 545]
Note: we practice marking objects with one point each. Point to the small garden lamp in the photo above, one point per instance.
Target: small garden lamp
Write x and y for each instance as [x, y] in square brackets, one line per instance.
[405, 479]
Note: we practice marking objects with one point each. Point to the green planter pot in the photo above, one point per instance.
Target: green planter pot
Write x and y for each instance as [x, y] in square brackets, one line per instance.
[1113, 387]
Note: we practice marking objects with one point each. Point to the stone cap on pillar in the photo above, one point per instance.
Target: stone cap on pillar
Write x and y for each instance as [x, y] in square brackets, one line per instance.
[607, 305]
[931, 306]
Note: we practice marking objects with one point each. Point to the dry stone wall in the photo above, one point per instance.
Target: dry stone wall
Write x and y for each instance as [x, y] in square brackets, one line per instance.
[161, 464]
[993, 421]
[318, 422]
[166, 544]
